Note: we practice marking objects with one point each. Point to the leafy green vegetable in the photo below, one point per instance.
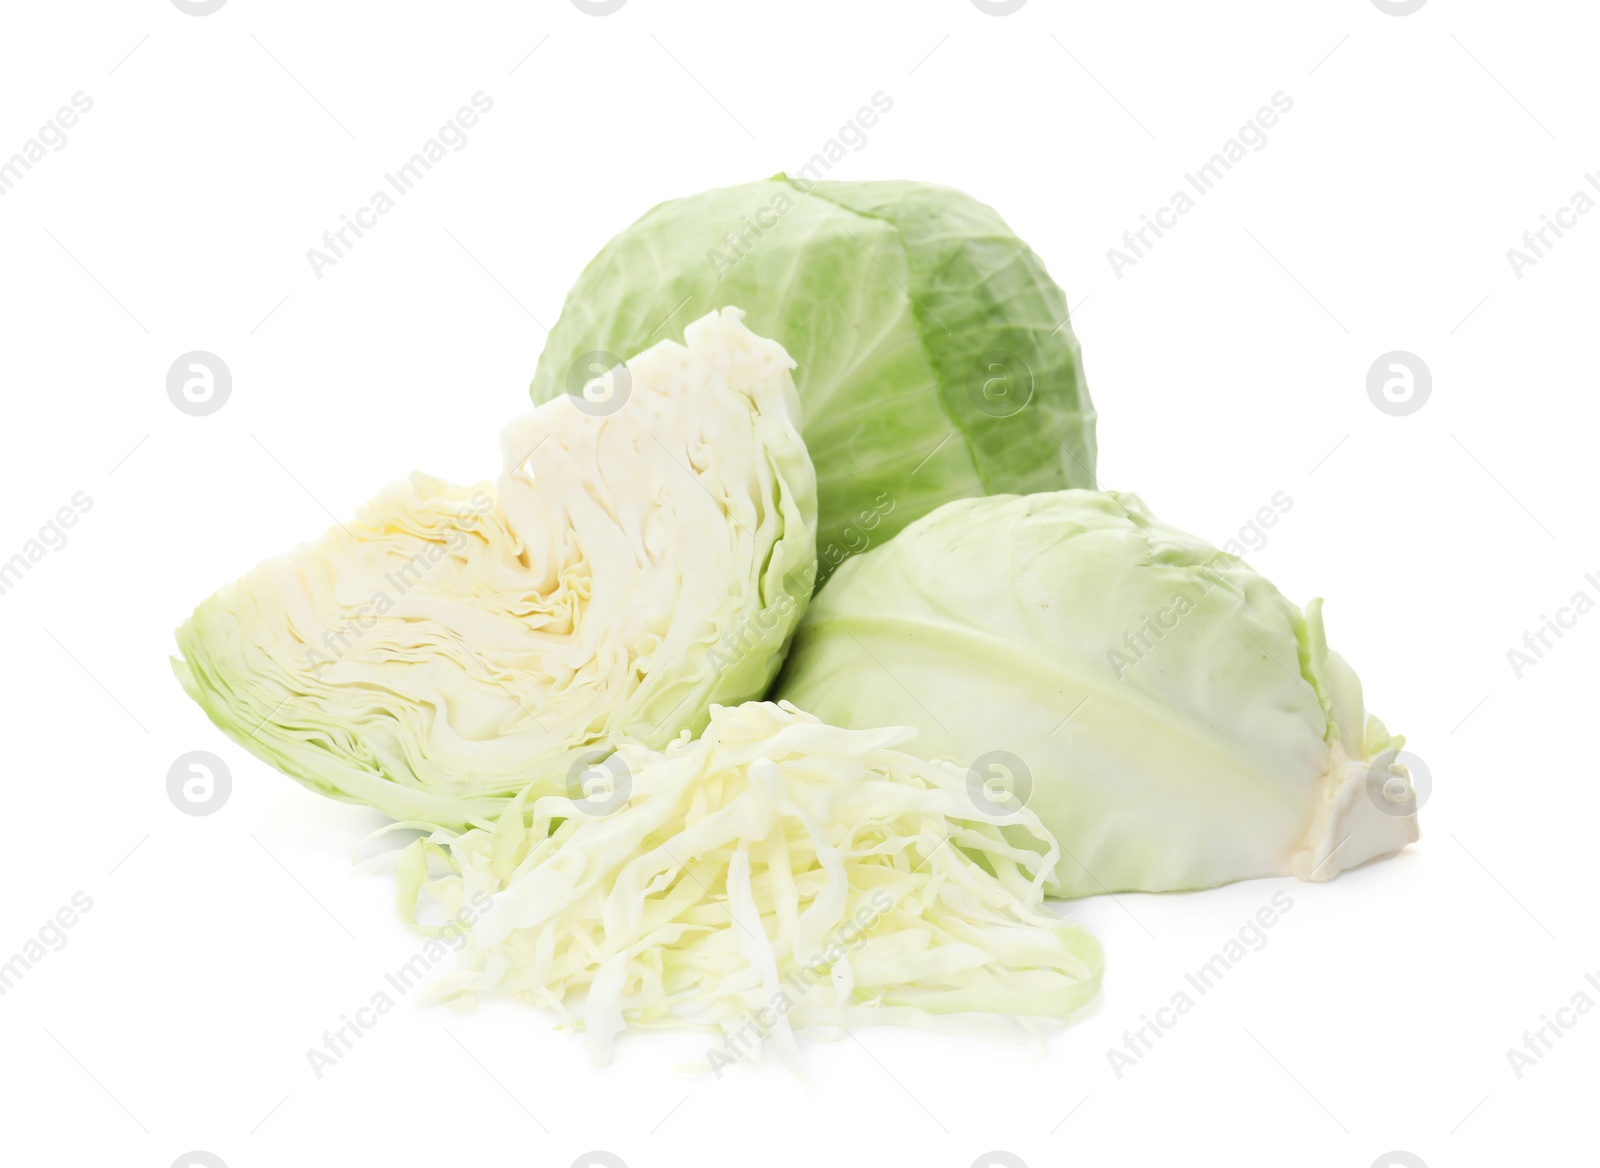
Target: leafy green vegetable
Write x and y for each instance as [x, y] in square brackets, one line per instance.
[453, 644]
[1173, 720]
[777, 873]
[935, 357]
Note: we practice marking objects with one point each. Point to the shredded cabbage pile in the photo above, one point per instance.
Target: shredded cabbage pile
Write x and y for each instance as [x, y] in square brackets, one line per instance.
[773, 874]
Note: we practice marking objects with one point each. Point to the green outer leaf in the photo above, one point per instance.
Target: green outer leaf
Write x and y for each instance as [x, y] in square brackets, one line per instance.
[977, 289]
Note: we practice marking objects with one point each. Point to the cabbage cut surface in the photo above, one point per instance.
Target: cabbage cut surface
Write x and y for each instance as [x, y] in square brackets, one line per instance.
[645, 552]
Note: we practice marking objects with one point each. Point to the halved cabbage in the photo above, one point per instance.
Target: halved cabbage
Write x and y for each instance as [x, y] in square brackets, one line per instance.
[646, 552]
[1175, 722]
[774, 874]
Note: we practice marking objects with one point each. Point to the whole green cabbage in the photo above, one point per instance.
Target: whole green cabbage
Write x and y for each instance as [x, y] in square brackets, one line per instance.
[1170, 717]
[935, 357]
[453, 646]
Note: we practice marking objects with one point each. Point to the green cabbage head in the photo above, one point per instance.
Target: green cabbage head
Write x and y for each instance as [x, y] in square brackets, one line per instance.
[453, 646]
[1168, 715]
[935, 357]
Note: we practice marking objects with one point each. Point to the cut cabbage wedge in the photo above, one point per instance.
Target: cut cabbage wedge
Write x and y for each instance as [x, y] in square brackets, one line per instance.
[452, 645]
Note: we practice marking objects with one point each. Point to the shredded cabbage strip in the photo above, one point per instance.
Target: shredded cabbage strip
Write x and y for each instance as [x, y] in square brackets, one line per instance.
[774, 874]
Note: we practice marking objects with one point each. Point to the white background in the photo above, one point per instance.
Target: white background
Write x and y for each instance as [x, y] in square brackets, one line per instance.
[1228, 364]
